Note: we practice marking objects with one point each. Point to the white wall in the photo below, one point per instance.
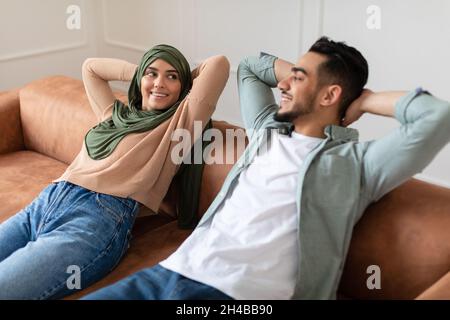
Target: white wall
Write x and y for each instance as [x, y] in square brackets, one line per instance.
[410, 49]
[35, 40]
[201, 28]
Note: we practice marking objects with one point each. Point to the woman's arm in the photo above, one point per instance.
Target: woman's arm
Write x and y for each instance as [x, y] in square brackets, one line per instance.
[96, 74]
[210, 79]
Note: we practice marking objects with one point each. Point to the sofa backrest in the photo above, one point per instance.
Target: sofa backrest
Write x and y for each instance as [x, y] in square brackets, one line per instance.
[55, 115]
[214, 173]
[406, 235]
[215, 170]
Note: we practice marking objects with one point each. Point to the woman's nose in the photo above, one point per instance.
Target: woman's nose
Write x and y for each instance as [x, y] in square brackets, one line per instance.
[159, 82]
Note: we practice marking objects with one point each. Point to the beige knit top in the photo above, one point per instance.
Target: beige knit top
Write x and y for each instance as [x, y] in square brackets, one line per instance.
[141, 166]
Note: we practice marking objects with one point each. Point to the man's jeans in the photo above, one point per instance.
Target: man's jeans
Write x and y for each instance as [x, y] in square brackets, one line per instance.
[67, 236]
[157, 283]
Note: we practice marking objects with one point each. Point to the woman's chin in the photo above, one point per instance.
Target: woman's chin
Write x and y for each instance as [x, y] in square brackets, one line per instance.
[154, 107]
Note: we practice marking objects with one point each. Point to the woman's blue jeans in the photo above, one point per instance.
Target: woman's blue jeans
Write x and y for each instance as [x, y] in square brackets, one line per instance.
[66, 239]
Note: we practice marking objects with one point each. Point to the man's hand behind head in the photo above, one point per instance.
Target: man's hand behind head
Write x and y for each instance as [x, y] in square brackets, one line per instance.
[356, 108]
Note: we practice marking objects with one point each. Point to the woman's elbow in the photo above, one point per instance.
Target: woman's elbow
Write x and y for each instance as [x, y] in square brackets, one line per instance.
[86, 68]
[223, 63]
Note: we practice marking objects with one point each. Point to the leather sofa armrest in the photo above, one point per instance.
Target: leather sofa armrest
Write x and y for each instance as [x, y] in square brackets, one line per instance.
[10, 125]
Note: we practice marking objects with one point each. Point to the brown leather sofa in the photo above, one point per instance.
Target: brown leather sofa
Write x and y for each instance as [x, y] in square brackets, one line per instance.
[406, 233]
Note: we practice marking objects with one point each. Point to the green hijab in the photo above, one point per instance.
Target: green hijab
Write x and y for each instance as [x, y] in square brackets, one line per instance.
[102, 139]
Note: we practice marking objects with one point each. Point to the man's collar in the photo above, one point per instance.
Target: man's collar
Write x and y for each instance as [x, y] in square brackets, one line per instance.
[286, 128]
[332, 131]
[335, 132]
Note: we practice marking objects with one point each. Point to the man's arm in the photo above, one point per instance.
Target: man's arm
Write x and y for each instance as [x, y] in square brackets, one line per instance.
[393, 159]
[256, 77]
[282, 69]
[380, 103]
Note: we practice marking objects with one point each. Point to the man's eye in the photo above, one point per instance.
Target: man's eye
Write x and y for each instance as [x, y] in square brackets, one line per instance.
[298, 78]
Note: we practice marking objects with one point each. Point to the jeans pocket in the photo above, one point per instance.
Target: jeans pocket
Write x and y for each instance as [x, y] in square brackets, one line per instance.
[112, 206]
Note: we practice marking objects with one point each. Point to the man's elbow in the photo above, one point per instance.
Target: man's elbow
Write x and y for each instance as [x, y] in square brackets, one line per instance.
[446, 119]
[446, 111]
[244, 65]
[442, 114]
[440, 124]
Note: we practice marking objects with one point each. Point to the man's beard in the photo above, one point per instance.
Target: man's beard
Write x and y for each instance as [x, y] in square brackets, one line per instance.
[297, 111]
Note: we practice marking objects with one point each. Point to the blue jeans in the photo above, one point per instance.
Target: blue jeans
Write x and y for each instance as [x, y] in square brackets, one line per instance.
[157, 283]
[68, 236]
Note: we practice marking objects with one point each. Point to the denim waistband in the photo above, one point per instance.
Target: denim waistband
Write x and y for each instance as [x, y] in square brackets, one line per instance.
[67, 185]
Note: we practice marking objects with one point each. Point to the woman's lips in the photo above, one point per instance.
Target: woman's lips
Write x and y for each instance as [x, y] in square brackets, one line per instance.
[158, 95]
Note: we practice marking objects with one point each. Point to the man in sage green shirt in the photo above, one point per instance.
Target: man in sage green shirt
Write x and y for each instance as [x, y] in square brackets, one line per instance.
[281, 225]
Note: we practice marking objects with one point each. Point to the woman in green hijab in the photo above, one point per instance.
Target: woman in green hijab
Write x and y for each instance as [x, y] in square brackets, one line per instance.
[78, 228]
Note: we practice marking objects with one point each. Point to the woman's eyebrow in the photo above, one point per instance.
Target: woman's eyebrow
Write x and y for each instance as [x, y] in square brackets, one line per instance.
[156, 69]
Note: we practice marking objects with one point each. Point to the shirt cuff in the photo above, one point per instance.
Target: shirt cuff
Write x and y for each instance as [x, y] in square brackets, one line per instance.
[402, 104]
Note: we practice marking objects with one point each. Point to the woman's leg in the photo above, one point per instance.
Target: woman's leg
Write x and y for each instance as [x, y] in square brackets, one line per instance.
[14, 234]
[19, 229]
[81, 239]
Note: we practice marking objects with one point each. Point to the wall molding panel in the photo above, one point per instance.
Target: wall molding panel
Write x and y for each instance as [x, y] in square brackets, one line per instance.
[57, 46]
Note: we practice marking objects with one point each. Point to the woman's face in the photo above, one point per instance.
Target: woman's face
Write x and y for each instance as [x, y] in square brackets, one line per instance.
[160, 86]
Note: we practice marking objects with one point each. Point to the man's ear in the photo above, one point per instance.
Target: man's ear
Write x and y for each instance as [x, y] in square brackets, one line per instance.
[331, 95]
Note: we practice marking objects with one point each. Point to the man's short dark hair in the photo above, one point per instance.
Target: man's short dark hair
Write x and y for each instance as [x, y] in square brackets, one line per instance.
[345, 66]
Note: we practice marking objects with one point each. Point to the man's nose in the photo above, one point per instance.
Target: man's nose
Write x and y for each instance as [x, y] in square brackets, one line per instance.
[283, 85]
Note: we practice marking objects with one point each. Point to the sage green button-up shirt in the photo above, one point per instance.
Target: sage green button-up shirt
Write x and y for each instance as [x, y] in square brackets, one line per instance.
[341, 176]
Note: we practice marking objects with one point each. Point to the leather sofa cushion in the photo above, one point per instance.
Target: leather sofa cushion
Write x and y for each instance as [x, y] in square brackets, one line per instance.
[24, 174]
[55, 115]
[11, 128]
[406, 234]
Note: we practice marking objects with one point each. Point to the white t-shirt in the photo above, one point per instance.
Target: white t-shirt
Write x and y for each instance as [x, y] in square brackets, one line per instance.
[249, 249]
